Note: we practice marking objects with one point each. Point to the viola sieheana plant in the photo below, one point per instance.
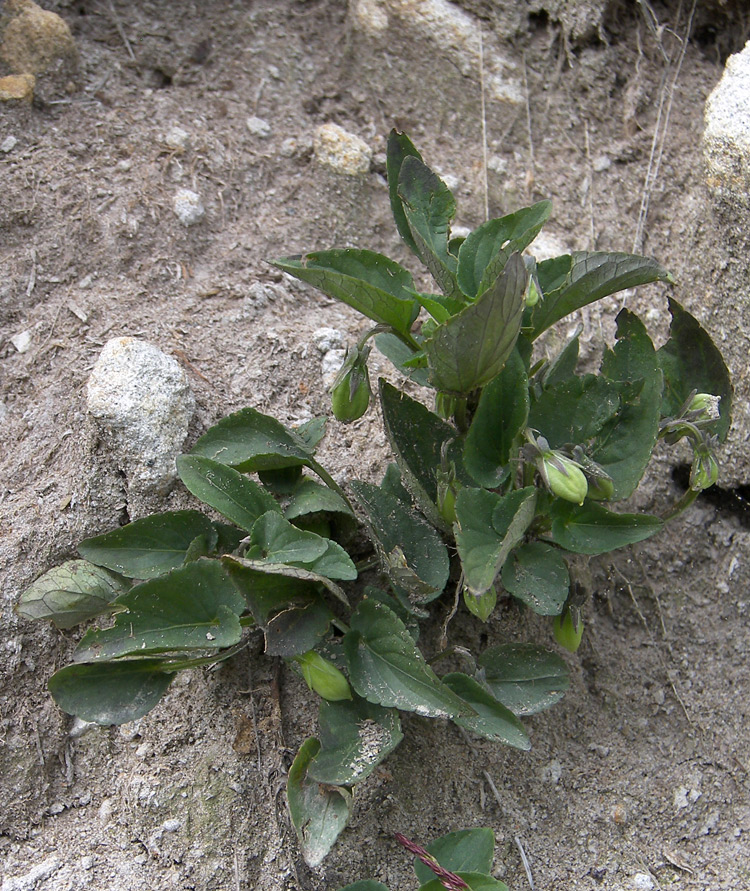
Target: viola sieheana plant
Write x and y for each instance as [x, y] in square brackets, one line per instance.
[503, 485]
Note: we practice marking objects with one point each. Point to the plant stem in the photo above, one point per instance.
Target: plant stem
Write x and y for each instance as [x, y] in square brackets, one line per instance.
[679, 506]
[460, 415]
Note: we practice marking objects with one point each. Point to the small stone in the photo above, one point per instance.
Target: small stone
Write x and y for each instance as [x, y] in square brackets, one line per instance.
[601, 163]
[86, 282]
[452, 181]
[188, 207]
[258, 127]
[177, 139]
[142, 402]
[642, 881]
[21, 341]
[8, 144]
[17, 87]
[81, 727]
[87, 862]
[326, 339]
[331, 364]
[55, 808]
[552, 772]
[171, 825]
[105, 810]
[341, 151]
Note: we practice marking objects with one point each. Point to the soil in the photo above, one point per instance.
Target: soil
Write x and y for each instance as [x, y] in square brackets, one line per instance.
[639, 778]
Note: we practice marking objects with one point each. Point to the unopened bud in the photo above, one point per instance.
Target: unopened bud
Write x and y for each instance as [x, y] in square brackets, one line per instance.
[445, 405]
[705, 470]
[563, 477]
[350, 393]
[568, 633]
[707, 405]
[533, 294]
[323, 677]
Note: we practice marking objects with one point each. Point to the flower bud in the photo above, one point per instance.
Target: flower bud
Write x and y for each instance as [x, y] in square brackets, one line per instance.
[705, 470]
[533, 294]
[706, 406]
[323, 677]
[567, 632]
[350, 393]
[563, 476]
[445, 405]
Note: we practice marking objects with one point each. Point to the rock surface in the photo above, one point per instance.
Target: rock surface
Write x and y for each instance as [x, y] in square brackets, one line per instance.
[341, 151]
[142, 403]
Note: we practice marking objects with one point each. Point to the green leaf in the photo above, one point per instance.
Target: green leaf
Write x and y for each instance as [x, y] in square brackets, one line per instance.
[489, 527]
[592, 529]
[486, 250]
[112, 692]
[413, 554]
[233, 495]
[524, 677]
[592, 275]
[564, 364]
[249, 440]
[429, 206]
[275, 540]
[690, 360]
[369, 282]
[624, 446]
[494, 721]
[270, 587]
[416, 436]
[440, 307]
[575, 410]
[475, 881]
[467, 850]
[399, 148]
[386, 668]
[499, 419]
[319, 813]
[537, 574]
[71, 593]
[395, 350]
[471, 348]
[311, 432]
[311, 497]
[365, 885]
[355, 737]
[151, 546]
[193, 608]
[298, 629]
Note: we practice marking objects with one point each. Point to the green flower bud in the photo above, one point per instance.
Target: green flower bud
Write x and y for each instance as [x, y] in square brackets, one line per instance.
[350, 393]
[323, 677]
[563, 477]
[481, 606]
[445, 405]
[705, 470]
[706, 406]
[533, 294]
[567, 632]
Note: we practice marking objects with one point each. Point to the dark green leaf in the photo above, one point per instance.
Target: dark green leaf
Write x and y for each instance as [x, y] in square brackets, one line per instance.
[297, 629]
[193, 608]
[404, 540]
[249, 440]
[429, 206]
[575, 410]
[537, 574]
[524, 677]
[468, 850]
[499, 419]
[624, 446]
[489, 527]
[311, 497]
[386, 668]
[592, 529]
[564, 365]
[355, 736]
[151, 546]
[440, 307]
[71, 593]
[311, 432]
[233, 495]
[319, 813]
[471, 348]
[592, 275]
[475, 881]
[365, 885]
[486, 250]
[369, 282]
[494, 721]
[112, 692]
[394, 349]
[416, 436]
[399, 148]
[690, 360]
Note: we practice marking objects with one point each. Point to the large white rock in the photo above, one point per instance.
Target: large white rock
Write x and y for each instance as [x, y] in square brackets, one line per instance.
[726, 139]
[142, 403]
[341, 151]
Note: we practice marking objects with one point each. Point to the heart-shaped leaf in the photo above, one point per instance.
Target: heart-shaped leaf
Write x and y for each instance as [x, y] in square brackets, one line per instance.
[71, 593]
[537, 574]
[468, 850]
[151, 546]
[493, 721]
[574, 410]
[297, 629]
[524, 677]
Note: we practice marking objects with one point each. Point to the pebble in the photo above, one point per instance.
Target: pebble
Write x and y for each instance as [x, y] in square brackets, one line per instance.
[171, 825]
[340, 150]
[17, 88]
[642, 881]
[8, 144]
[177, 138]
[258, 127]
[326, 339]
[21, 341]
[188, 207]
[142, 402]
[331, 364]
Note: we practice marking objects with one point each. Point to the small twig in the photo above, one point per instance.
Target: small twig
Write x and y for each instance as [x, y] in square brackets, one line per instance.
[592, 230]
[531, 172]
[484, 126]
[493, 788]
[451, 614]
[32, 275]
[525, 861]
[123, 35]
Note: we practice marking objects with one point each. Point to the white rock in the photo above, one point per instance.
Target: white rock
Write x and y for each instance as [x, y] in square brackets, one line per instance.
[188, 207]
[642, 881]
[177, 138]
[326, 339]
[370, 16]
[726, 138]
[331, 364]
[143, 404]
[21, 341]
[8, 144]
[258, 127]
[341, 151]
[32, 878]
